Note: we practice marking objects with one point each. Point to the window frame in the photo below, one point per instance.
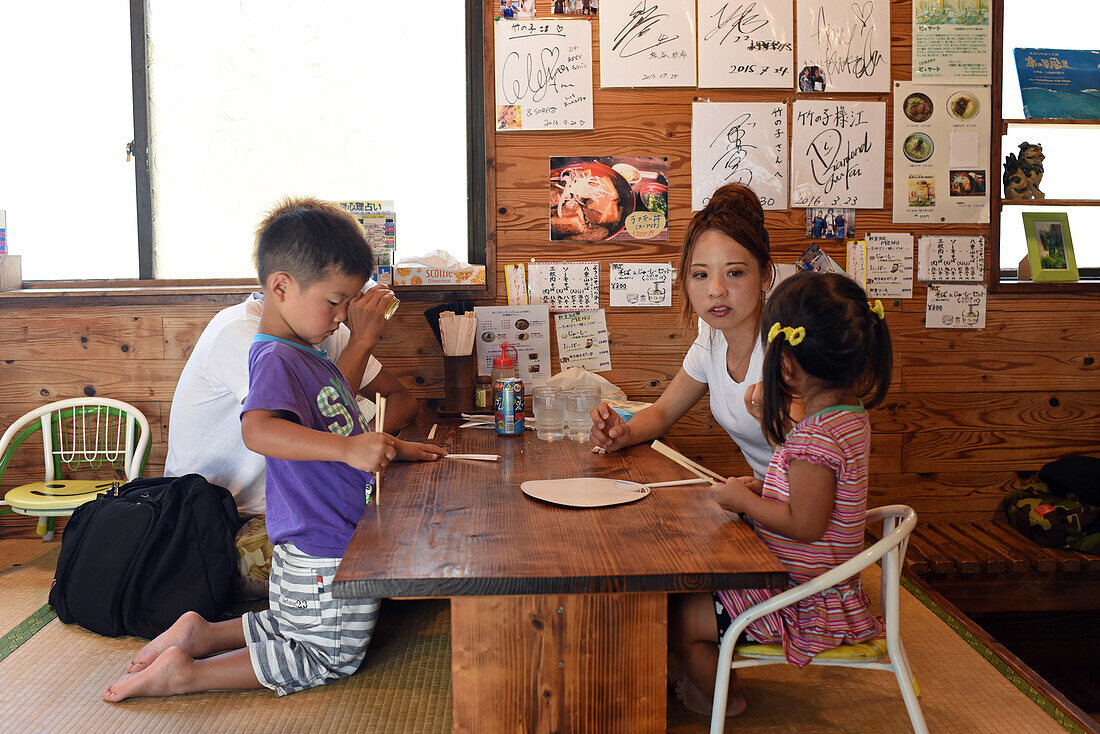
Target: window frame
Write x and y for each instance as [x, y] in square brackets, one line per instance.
[481, 187]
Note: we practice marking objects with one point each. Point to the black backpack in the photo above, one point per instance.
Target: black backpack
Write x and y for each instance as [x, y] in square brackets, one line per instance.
[135, 559]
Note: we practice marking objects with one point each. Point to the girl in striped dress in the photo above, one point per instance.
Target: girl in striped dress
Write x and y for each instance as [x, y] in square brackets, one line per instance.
[827, 345]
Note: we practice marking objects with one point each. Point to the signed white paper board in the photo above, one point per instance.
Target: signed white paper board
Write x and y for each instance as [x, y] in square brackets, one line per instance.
[739, 142]
[585, 491]
[543, 74]
[749, 45]
[838, 153]
[647, 43]
[848, 41]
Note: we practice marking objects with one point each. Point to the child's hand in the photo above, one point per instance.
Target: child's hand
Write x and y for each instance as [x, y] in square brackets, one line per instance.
[609, 431]
[366, 313]
[410, 451]
[370, 451]
[756, 486]
[732, 495]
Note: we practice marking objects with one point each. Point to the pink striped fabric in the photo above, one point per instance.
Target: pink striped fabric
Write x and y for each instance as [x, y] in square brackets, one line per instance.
[838, 438]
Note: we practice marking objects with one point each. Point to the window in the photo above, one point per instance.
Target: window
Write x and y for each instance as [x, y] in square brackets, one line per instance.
[1070, 147]
[247, 102]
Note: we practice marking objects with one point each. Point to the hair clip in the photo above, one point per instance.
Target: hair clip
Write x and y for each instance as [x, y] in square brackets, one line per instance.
[877, 309]
[794, 334]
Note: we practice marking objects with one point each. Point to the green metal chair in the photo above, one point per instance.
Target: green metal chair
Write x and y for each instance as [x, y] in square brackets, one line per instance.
[96, 434]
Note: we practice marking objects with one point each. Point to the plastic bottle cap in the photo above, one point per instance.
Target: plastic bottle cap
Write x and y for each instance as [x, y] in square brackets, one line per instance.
[504, 360]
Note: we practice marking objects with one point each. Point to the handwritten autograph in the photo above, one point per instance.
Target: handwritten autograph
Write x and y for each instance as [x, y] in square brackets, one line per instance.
[828, 166]
[742, 19]
[849, 49]
[537, 76]
[639, 30]
[736, 150]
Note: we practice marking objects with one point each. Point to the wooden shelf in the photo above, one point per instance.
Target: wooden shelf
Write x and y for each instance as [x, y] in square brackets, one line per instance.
[1050, 121]
[1050, 202]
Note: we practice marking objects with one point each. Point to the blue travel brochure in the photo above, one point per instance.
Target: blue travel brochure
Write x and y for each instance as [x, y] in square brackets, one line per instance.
[1059, 83]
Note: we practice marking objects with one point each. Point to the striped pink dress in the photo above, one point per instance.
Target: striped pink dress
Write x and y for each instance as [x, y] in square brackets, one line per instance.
[839, 438]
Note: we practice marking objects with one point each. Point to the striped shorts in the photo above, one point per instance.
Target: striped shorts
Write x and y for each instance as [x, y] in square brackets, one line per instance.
[306, 638]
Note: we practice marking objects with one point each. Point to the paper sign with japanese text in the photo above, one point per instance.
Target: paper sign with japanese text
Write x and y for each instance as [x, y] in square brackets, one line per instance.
[565, 286]
[582, 340]
[640, 284]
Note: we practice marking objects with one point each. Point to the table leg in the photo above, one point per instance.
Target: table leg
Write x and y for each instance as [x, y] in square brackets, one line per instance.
[564, 663]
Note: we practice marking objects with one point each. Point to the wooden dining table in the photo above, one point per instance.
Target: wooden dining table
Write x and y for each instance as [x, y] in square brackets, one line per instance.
[558, 614]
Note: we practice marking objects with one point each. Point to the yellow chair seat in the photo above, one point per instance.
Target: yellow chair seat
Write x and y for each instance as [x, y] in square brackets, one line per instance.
[59, 497]
[863, 651]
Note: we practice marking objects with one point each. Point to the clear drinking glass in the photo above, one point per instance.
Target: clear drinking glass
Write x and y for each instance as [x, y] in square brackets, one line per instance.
[548, 405]
[579, 404]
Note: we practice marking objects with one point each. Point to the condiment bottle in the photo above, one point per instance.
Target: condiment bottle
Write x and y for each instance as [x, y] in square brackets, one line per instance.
[504, 366]
[507, 394]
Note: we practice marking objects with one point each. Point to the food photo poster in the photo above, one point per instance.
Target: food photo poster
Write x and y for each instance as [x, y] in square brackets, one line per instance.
[524, 328]
[739, 142]
[608, 198]
[941, 153]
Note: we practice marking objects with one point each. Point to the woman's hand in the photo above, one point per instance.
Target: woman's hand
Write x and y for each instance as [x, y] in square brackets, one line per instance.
[732, 495]
[411, 451]
[609, 431]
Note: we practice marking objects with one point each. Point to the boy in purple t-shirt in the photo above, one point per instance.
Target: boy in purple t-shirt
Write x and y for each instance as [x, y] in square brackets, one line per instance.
[301, 414]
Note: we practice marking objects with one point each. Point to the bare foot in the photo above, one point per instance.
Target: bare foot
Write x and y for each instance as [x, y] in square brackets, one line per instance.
[180, 634]
[165, 677]
[696, 701]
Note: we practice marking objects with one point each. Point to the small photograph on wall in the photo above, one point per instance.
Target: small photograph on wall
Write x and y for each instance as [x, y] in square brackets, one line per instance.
[1050, 247]
[574, 7]
[811, 79]
[922, 191]
[830, 224]
[967, 183]
[608, 198]
[517, 9]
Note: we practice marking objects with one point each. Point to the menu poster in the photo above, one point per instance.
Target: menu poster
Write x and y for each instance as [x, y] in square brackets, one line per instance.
[526, 328]
[739, 143]
[565, 286]
[379, 223]
[640, 284]
[848, 42]
[952, 41]
[951, 258]
[941, 153]
[746, 45]
[889, 263]
[838, 153]
[955, 306]
[647, 43]
[543, 74]
[608, 198]
[583, 341]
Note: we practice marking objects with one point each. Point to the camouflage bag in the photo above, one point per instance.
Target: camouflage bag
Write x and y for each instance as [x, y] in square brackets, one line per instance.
[1054, 521]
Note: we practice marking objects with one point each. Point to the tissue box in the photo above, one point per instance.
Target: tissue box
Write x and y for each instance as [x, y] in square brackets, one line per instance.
[421, 275]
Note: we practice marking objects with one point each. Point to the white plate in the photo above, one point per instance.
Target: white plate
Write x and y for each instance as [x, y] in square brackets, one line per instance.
[585, 491]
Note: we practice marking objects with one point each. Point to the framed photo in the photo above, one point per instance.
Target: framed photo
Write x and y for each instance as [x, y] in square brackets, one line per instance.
[1049, 247]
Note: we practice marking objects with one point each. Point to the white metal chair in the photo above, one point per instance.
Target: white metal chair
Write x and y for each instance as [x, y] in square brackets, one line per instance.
[80, 433]
[898, 522]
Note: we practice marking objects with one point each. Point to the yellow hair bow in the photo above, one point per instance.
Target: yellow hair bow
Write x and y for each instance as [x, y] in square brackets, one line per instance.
[794, 334]
[877, 309]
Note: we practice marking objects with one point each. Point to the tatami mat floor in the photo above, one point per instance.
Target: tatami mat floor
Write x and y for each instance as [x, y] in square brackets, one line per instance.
[52, 682]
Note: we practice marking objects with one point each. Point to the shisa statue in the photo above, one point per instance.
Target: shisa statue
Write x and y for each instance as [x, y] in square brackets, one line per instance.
[1022, 175]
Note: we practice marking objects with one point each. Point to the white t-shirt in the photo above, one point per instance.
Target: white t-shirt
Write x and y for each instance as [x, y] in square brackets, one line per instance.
[204, 428]
[706, 362]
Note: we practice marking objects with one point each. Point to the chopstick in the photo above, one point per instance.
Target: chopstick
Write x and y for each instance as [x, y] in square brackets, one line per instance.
[697, 469]
[475, 457]
[379, 425]
[696, 480]
[431, 433]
